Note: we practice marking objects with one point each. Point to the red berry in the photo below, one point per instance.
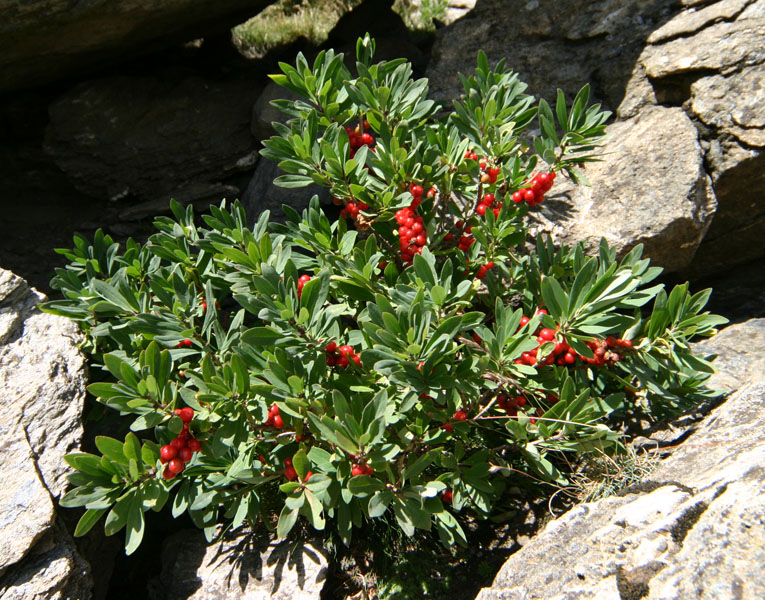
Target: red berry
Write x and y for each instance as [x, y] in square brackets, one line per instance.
[529, 195]
[167, 453]
[345, 350]
[185, 454]
[186, 414]
[447, 496]
[524, 320]
[357, 470]
[481, 209]
[290, 473]
[168, 474]
[178, 443]
[518, 197]
[460, 415]
[194, 445]
[481, 273]
[488, 199]
[416, 190]
[278, 422]
[367, 139]
[447, 427]
[176, 465]
[307, 476]
[547, 334]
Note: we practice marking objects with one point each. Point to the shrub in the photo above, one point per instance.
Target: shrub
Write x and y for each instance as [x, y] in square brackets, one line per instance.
[406, 360]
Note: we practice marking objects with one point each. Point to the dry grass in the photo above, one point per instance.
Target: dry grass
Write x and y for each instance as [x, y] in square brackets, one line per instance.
[602, 476]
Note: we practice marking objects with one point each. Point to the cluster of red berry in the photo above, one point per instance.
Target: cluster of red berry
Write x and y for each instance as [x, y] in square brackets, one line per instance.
[179, 451]
[563, 355]
[536, 189]
[411, 231]
[483, 269]
[302, 280]
[459, 415]
[291, 474]
[358, 137]
[510, 404]
[352, 210]
[361, 469]
[274, 418]
[488, 174]
[466, 240]
[489, 202]
[341, 355]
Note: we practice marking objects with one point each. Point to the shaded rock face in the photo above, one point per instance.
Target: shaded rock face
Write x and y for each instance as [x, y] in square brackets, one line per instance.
[149, 138]
[695, 528]
[43, 376]
[239, 567]
[46, 40]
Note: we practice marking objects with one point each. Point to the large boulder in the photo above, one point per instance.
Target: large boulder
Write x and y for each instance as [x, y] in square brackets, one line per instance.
[239, 567]
[152, 137]
[43, 377]
[661, 198]
[711, 60]
[706, 59]
[47, 40]
[694, 528]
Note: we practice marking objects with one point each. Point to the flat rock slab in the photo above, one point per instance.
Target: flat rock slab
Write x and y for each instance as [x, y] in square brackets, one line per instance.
[241, 567]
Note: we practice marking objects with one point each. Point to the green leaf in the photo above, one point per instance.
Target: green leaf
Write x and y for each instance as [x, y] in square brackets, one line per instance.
[287, 520]
[135, 524]
[87, 521]
[301, 463]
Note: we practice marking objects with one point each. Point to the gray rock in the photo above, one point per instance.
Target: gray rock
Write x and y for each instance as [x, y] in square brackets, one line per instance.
[662, 198]
[53, 571]
[740, 351]
[721, 47]
[150, 137]
[46, 40]
[733, 104]
[691, 21]
[240, 567]
[43, 377]
[694, 529]
[550, 43]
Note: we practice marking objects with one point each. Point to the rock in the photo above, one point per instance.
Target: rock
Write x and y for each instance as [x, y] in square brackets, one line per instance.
[261, 194]
[712, 61]
[740, 352]
[695, 528]
[240, 567]
[630, 185]
[46, 40]
[549, 43]
[721, 47]
[152, 136]
[54, 570]
[692, 21]
[43, 376]
[733, 104]
[263, 114]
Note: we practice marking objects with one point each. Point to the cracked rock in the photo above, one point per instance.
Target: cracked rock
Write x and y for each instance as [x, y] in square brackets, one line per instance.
[43, 377]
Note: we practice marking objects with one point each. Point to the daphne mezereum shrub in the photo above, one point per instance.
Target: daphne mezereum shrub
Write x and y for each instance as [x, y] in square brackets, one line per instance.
[408, 359]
